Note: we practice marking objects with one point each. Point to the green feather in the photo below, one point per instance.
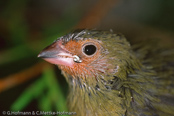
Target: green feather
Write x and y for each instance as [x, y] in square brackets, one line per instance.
[141, 81]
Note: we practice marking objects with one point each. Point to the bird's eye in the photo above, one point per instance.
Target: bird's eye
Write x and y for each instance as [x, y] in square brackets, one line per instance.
[89, 49]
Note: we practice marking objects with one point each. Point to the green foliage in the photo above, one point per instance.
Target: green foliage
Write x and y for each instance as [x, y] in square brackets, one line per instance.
[32, 92]
[52, 97]
[45, 90]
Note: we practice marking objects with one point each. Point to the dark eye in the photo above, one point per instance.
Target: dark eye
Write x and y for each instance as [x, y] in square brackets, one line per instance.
[89, 49]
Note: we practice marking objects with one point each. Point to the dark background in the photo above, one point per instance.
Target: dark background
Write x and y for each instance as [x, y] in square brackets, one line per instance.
[27, 26]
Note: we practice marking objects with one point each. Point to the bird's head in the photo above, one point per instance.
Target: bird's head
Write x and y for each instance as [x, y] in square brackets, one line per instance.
[91, 55]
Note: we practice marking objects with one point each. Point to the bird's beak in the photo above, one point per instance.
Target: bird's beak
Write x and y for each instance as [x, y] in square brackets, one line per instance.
[56, 54]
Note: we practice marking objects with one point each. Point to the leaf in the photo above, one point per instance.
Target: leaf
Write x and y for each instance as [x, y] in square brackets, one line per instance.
[28, 95]
[54, 93]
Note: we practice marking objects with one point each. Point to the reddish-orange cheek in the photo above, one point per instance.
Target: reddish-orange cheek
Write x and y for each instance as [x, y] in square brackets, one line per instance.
[78, 70]
[83, 68]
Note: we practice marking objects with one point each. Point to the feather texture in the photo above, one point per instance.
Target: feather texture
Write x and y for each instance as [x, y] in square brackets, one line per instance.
[118, 79]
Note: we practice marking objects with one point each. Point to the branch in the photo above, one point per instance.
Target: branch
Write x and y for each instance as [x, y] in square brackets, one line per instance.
[23, 76]
[90, 20]
[96, 14]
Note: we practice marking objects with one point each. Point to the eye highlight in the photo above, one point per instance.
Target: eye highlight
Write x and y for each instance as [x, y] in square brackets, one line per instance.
[89, 49]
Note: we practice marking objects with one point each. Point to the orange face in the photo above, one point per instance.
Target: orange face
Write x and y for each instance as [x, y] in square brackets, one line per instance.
[80, 58]
[88, 52]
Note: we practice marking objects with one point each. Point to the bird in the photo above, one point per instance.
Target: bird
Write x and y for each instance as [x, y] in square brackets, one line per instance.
[109, 76]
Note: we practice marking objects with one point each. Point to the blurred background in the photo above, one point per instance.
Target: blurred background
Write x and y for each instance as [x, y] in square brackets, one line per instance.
[28, 83]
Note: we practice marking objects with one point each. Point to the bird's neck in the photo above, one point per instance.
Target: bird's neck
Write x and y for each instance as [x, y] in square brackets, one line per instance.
[94, 97]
